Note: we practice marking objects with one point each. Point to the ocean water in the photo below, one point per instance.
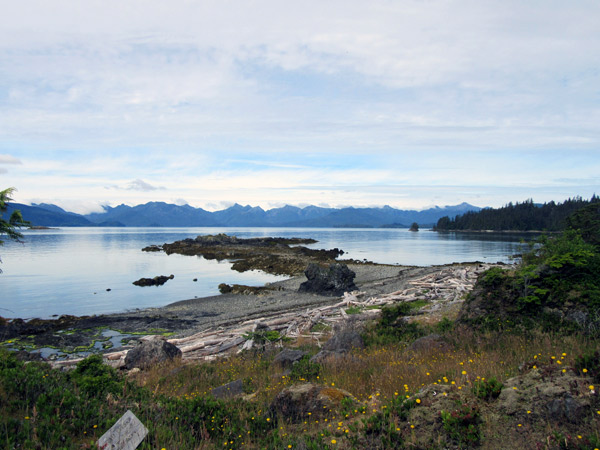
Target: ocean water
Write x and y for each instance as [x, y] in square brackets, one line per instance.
[91, 270]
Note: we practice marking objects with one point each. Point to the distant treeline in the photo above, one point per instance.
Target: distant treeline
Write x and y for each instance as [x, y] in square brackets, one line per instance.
[525, 216]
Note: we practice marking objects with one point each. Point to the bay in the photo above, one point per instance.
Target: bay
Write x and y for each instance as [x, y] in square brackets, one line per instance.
[84, 271]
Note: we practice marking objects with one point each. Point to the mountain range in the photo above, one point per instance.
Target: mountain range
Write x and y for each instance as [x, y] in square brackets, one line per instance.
[160, 214]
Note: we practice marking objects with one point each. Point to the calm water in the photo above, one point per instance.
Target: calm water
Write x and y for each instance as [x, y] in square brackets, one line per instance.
[68, 270]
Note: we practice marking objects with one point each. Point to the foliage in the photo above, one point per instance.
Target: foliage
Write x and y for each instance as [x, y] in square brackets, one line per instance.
[263, 336]
[96, 378]
[305, 370]
[9, 227]
[559, 269]
[587, 222]
[588, 364]
[518, 217]
[392, 327]
[487, 389]
[15, 220]
[462, 424]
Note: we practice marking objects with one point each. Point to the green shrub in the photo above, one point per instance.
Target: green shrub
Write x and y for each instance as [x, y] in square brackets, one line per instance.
[487, 389]
[95, 378]
[304, 369]
[462, 424]
[588, 364]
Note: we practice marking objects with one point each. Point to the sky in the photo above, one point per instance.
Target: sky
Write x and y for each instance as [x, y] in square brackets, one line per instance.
[335, 103]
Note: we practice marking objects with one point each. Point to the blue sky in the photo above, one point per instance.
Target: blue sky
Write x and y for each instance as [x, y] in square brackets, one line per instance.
[402, 103]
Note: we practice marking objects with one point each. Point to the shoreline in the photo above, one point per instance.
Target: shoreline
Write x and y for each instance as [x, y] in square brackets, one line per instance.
[219, 312]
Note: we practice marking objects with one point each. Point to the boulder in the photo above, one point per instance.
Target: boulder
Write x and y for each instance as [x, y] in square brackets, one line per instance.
[347, 338]
[332, 281]
[156, 281]
[296, 402]
[288, 357]
[228, 390]
[151, 352]
[432, 341]
[548, 393]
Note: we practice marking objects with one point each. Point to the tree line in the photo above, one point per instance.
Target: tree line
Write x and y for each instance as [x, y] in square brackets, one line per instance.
[526, 216]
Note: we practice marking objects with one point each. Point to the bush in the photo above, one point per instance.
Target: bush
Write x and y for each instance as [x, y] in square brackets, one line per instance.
[304, 369]
[487, 389]
[462, 424]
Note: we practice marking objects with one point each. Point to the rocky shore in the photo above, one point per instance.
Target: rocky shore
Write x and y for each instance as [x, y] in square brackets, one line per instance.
[70, 334]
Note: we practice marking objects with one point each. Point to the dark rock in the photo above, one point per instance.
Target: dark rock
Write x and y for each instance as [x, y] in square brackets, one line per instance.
[152, 248]
[149, 353]
[345, 340]
[288, 357]
[432, 341]
[332, 281]
[22, 355]
[228, 390]
[294, 403]
[548, 393]
[566, 408]
[156, 281]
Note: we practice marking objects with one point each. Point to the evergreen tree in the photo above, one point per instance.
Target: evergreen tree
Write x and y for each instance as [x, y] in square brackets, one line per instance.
[9, 227]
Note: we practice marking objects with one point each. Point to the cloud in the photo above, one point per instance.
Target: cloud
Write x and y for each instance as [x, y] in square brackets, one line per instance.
[341, 102]
[8, 159]
[138, 185]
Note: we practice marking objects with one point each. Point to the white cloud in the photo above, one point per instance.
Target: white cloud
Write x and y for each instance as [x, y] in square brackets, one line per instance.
[8, 159]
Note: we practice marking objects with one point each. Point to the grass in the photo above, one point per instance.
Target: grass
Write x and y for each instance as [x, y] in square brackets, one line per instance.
[44, 408]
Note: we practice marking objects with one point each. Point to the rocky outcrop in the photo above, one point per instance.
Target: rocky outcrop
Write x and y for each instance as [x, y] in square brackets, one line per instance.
[280, 256]
[430, 342]
[347, 337]
[150, 352]
[288, 357]
[156, 281]
[333, 280]
[549, 394]
[297, 402]
[152, 248]
[229, 390]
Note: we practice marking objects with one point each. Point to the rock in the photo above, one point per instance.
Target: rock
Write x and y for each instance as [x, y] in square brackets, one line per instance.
[149, 353]
[281, 256]
[294, 403]
[432, 341]
[346, 339]
[152, 248]
[156, 281]
[548, 393]
[332, 281]
[288, 357]
[228, 390]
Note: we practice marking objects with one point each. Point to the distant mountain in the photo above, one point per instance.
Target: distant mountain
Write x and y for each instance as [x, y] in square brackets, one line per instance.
[49, 217]
[160, 214]
[155, 214]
